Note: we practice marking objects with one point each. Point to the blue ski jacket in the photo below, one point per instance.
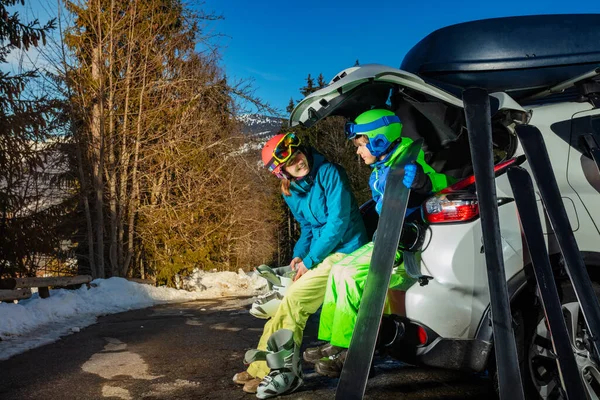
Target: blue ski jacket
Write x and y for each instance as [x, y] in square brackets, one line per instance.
[329, 218]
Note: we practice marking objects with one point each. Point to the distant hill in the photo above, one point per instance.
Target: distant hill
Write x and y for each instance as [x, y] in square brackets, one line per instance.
[260, 126]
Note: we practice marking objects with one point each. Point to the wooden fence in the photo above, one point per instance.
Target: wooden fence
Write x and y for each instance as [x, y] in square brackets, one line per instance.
[20, 288]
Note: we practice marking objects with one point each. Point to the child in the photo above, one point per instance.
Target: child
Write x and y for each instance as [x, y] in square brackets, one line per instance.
[377, 135]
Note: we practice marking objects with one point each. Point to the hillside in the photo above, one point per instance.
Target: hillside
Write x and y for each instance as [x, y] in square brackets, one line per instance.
[260, 126]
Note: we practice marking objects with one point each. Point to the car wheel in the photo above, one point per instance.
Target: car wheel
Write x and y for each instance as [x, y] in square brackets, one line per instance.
[541, 375]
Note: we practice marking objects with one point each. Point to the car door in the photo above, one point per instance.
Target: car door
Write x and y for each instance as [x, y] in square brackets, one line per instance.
[583, 175]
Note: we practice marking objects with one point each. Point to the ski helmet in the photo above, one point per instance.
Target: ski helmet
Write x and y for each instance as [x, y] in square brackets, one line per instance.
[278, 150]
[382, 127]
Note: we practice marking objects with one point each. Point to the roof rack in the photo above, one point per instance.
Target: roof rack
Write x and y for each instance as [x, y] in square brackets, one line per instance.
[562, 86]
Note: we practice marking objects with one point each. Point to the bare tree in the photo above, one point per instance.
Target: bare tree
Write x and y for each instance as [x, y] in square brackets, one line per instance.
[165, 184]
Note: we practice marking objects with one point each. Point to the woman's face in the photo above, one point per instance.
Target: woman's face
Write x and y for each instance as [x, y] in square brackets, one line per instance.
[297, 165]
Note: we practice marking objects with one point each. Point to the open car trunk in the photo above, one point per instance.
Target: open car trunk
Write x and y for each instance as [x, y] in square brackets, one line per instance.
[425, 111]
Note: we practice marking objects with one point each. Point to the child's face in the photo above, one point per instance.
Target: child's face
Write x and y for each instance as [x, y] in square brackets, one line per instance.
[360, 142]
[297, 165]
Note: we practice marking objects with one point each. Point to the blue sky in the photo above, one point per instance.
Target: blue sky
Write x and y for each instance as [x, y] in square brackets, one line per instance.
[277, 43]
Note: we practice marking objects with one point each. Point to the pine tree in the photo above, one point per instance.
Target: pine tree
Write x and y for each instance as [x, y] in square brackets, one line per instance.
[321, 81]
[25, 121]
[290, 106]
[310, 86]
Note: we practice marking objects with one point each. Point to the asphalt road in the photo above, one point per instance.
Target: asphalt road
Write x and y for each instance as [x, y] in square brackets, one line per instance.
[191, 351]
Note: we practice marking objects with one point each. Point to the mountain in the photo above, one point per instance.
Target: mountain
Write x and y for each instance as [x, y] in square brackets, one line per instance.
[260, 126]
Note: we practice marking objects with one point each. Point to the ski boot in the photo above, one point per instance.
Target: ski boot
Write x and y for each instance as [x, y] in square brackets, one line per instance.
[314, 354]
[332, 366]
[279, 279]
[283, 358]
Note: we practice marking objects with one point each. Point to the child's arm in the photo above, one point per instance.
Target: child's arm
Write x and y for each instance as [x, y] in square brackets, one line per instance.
[430, 180]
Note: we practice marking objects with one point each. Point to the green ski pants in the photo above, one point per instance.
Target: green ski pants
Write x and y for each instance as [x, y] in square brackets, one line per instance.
[303, 298]
[344, 291]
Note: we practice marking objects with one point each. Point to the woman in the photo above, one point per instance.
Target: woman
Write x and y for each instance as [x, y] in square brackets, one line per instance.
[319, 196]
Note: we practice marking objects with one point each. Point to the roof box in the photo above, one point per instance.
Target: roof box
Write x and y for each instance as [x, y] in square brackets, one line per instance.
[518, 55]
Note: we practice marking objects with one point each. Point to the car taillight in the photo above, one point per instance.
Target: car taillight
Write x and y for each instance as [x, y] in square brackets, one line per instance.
[456, 203]
[445, 208]
[422, 335]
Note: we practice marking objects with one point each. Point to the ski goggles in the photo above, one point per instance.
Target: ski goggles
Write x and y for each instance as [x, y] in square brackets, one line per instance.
[351, 129]
[283, 152]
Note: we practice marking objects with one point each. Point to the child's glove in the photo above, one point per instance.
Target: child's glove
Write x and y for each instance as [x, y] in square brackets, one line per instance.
[416, 179]
[410, 171]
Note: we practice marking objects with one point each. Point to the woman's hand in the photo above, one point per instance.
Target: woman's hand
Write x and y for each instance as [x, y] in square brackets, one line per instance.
[294, 262]
[301, 270]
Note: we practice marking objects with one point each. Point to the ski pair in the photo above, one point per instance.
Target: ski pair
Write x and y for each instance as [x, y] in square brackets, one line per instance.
[539, 161]
[478, 117]
[479, 127]
[523, 191]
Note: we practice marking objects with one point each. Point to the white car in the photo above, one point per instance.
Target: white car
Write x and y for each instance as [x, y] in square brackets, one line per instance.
[539, 70]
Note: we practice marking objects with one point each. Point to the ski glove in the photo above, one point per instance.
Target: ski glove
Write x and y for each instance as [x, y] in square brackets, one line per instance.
[416, 179]
[410, 171]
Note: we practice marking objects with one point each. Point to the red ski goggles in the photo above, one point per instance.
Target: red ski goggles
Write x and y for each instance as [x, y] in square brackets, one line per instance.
[283, 152]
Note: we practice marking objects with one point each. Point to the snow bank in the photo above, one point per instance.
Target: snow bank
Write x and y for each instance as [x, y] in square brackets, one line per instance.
[35, 321]
[224, 282]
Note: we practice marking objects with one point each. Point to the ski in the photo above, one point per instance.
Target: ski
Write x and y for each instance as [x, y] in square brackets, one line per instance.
[522, 187]
[537, 155]
[355, 373]
[479, 127]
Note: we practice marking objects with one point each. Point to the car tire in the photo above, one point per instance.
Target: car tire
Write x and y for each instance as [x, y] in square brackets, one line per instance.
[539, 372]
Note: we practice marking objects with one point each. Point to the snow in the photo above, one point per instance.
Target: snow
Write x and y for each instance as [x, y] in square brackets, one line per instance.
[35, 322]
[258, 119]
[260, 126]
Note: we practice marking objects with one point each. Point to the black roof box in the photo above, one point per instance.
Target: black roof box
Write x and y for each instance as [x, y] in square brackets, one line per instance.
[518, 55]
